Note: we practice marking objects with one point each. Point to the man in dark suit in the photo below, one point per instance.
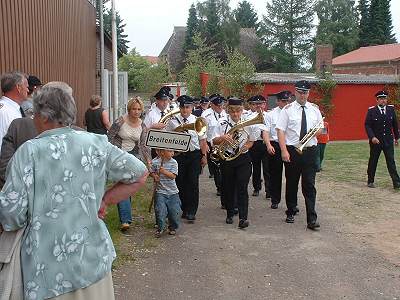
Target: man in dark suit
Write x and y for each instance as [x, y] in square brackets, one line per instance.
[383, 131]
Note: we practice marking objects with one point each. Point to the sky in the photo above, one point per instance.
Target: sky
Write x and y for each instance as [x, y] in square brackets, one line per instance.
[150, 23]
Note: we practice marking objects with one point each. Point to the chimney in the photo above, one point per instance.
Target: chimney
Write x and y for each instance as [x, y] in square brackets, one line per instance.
[323, 60]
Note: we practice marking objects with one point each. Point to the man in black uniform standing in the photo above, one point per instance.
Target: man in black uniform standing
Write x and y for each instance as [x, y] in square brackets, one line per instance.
[382, 129]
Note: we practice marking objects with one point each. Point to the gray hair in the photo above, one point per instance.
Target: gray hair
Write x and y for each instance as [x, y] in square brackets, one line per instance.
[56, 104]
[10, 80]
[59, 84]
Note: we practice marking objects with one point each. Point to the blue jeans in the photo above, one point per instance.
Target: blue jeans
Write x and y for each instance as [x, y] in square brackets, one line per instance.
[125, 211]
[167, 206]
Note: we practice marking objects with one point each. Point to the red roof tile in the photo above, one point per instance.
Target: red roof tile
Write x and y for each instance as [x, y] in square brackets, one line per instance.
[151, 59]
[369, 54]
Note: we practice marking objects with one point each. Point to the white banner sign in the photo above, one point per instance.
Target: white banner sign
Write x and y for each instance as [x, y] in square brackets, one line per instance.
[168, 140]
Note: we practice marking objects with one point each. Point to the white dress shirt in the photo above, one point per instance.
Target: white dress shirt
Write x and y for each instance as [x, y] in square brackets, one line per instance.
[212, 118]
[270, 122]
[290, 121]
[9, 110]
[152, 117]
[258, 127]
[177, 120]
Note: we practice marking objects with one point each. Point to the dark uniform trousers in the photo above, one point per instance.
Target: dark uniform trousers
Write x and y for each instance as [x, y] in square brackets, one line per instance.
[374, 153]
[235, 180]
[303, 165]
[258, 154]
[188, 180]
[275, 169]
[214, 169]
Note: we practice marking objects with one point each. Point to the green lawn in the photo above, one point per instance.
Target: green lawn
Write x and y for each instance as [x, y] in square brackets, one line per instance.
[348, 162]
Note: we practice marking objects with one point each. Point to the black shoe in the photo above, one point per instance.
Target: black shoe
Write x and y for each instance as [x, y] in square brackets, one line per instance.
[289, 219]
[190, 218]
[295, 211]
[274, 205]
[218, 193]
[229, 220]
[256, 193]
[313, 225]
[243, 223]
[396, 186]
[235, 211]
[371, 185]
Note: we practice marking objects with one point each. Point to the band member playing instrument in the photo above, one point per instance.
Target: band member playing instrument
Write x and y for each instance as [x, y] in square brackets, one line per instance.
[258, 152]
[151, 121]
[190, 162]
[236, 172]
[270, 137]
[212, 116]
[293, 124]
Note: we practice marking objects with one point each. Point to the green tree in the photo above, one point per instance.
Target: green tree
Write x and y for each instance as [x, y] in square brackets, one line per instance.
[237, 73]
[287, 29]
[142, 76]
[192, 27]
[364, 24]
[122, 42]
[246, 16]
[380, 25]
[338, 25]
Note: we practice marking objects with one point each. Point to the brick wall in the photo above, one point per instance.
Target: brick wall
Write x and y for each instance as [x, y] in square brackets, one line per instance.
[378, 68]
[323, 57]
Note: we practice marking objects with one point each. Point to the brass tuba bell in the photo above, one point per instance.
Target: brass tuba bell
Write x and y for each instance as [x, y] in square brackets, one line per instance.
[200, 126]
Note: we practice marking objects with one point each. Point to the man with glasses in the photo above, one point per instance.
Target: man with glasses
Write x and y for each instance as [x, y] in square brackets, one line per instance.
[294, 122]
[382, 129]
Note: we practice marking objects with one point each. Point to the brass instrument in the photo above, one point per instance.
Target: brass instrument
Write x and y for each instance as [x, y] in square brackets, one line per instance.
[309, 135]
[228, 151]
[200, 126]
[169, 115]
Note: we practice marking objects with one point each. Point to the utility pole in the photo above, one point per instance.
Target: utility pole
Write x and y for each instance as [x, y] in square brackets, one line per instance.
[101, 51]
[115, 56]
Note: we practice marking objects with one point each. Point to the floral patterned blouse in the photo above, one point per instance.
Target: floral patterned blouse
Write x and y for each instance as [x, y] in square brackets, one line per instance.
[54, 186]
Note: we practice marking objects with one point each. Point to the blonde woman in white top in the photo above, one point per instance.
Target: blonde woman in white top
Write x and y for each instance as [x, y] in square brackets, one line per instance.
[127, 133]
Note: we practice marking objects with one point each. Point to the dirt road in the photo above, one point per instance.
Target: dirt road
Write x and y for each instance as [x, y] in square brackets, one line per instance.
[355, 255]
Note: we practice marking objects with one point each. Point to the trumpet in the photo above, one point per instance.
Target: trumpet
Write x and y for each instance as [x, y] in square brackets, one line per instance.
[309, 136]
[221, 151]
[169, 115]
[200, 126]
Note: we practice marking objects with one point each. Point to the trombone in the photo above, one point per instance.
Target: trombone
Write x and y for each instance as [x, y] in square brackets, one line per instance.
[309, 136]
[199, 126]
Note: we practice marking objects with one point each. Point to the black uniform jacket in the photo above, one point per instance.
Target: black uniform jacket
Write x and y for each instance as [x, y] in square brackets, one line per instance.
[383, 127]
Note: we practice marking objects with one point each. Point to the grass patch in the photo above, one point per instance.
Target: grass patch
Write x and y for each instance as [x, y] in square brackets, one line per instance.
[348, 162]
[143, 223]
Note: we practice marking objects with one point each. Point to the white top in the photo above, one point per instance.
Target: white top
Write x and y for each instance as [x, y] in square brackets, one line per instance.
[249, 132]
[178, 120]
[152, 117]
[212, 118]
[9, 110]
[270, 123]
[258, 127]
[290, 121]
[130, 136]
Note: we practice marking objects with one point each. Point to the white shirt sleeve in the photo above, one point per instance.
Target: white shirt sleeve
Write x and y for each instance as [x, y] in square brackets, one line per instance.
[283, 120]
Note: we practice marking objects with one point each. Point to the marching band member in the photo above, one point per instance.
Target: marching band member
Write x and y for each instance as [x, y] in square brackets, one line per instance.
[274, 152]
[293, 124]
[258, 152]
[204, 103]
[190, 162]
[236, 172]
[212, 116]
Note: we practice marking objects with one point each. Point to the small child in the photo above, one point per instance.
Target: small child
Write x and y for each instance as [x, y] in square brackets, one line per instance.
[167, 203]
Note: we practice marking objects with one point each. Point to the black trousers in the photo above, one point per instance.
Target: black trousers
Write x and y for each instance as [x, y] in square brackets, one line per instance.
[259, 158]
[303, 165]
[235, 180]
[275, 169]
[374, 153]
[188, 180]
[214, 169]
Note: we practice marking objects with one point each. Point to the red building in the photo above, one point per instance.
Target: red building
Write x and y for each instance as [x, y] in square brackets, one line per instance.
[382, 59]
[351, 98]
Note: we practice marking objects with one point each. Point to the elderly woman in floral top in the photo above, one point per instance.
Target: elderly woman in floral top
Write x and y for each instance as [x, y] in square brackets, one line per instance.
[56, 188]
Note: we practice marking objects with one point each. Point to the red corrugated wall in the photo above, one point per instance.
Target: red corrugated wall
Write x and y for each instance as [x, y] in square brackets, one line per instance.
[351, 103]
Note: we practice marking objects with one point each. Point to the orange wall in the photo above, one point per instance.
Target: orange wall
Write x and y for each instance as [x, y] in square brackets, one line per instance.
[351, 103]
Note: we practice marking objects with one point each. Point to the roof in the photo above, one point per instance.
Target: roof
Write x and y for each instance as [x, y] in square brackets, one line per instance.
[370, 54]
[151, 59]
[313, 78]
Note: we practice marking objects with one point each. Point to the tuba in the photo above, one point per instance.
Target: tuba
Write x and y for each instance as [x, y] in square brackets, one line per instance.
[228, 151]
[309, 135]
[169, 115]
[200, 126]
